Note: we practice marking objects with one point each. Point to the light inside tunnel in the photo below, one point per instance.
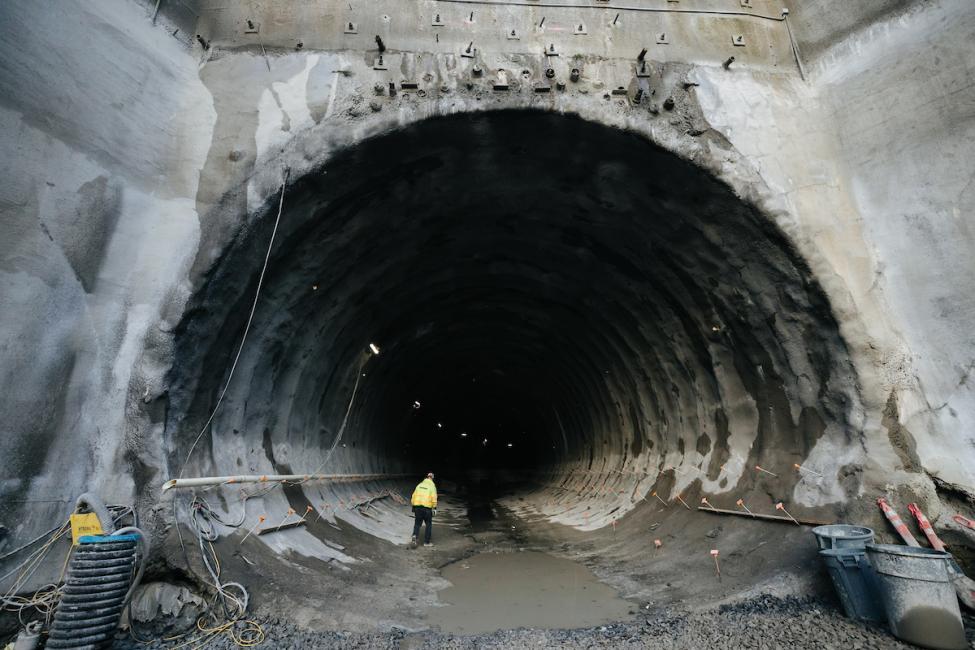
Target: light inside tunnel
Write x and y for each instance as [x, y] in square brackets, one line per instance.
[585, 298]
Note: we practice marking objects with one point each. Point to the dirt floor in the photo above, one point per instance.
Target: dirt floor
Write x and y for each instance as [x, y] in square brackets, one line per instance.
[760, 622]
[772, 591]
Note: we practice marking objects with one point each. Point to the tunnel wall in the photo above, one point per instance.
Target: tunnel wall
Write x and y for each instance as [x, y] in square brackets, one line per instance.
[105, 124]
[896, 137]
[121, 202]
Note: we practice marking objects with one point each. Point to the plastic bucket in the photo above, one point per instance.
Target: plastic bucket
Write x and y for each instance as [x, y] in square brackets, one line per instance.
[918, 595]
[842, 536]
[855, 583]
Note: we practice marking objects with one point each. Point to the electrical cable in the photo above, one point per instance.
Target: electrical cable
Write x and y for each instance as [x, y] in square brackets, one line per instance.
[247, 327]
[345, 421]
[234, 606]
[45, 598]
[27, 545]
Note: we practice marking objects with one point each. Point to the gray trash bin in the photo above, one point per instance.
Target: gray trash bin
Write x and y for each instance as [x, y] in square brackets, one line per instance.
[918, 595]
[842, 536]
[855, 583]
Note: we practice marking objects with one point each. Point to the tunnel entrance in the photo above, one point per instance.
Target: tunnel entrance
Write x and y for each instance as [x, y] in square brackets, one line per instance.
[551, 298]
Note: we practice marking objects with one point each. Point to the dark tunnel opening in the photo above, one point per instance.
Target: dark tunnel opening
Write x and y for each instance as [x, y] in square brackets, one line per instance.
[534, 280]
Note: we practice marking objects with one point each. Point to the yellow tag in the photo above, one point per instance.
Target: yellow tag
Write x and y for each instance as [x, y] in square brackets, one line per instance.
[84, 524]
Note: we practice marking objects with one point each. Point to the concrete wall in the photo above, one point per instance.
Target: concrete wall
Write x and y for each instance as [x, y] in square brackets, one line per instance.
[137, 159]
[105, 125]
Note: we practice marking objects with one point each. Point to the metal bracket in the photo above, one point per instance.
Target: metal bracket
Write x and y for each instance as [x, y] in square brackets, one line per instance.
[619, 90]
[469, 52]
[350, 28]
[551, 51]
[408, 85]
[738, 40]
[252, 27]
[437, 22]
[580, 30]
[643, 70]
[542, 87]
[747, 4]
[379, 63]
[512, 35]
[501, 80]
[662, 38]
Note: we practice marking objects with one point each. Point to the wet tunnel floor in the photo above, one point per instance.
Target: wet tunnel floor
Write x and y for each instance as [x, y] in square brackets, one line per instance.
[494, 562]
[505, 590]
[511, 584]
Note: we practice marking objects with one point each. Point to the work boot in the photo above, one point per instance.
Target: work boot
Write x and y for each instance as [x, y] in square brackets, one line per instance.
[413, 542]
[428, 545]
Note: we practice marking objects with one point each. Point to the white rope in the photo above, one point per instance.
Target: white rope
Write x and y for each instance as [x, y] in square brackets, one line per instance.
[250, 319]
[345, 420]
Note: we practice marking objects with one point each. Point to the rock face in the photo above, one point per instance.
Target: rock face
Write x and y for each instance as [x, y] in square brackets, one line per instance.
[163, 609]
[623, 301]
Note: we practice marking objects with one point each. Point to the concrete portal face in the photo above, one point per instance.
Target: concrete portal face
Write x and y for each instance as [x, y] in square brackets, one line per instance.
[660, 269]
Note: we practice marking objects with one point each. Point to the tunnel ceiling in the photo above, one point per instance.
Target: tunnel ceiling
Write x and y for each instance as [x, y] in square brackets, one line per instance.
[531, 278]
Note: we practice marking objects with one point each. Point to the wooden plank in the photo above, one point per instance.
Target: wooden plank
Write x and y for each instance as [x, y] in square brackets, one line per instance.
[739, 513]
[274, 529]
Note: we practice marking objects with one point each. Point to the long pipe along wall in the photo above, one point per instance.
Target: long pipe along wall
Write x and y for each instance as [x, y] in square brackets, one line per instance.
[610, 281]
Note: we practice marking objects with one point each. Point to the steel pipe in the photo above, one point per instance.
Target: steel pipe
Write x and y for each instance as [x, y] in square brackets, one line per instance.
[271, 478]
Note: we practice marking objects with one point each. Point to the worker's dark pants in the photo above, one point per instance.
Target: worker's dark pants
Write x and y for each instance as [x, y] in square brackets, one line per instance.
[422, 514]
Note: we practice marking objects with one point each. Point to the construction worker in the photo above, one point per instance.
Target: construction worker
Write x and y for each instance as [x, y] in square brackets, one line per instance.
[424, 507]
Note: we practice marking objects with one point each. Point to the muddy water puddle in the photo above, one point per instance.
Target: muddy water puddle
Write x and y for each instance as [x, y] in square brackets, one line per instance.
[496, 591]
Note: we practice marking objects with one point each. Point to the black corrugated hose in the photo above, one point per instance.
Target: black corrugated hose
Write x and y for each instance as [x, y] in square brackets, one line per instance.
[100, 580]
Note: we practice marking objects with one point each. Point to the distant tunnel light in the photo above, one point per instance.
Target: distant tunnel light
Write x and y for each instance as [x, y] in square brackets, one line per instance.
[416, 404]
[440, 425]
[510, 445]
[463, 435]
[374, 348]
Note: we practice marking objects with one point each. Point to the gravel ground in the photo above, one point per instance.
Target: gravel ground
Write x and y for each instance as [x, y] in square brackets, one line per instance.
[761, 622]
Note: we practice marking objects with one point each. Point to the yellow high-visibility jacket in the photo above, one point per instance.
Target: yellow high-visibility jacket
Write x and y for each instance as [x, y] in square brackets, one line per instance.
[425, 494]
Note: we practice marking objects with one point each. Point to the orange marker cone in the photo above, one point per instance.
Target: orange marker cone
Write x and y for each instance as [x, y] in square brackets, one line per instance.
[684, 502]
[660, 500]
[657, 544]
[705, 502]
[762, 469]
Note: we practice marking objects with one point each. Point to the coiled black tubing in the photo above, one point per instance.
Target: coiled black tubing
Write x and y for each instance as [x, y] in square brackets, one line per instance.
[95, 592]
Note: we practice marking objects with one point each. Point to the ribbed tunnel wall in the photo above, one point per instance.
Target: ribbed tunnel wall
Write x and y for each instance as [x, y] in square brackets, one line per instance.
[604, 306]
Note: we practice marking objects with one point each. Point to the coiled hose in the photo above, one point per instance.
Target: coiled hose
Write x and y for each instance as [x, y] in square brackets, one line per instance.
[97, 589]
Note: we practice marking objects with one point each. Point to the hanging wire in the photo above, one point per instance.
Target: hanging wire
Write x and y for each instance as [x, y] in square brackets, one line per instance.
[243, 339]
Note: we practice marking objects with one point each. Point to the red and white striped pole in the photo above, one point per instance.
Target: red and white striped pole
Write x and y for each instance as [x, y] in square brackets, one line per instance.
[926, 528]
[896, 522]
